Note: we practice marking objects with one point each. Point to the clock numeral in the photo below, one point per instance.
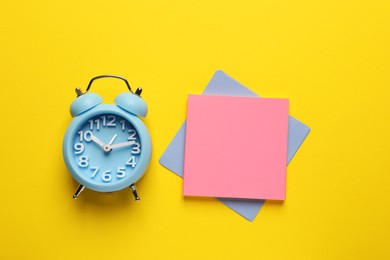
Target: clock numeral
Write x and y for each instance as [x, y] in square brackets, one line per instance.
[123, 123]
[121, 173]
[106, 176]
[95, 171]
[136, 148]
[87, 136]
[83, 161]
[79, 147]
[111, 121]
[131, 161]
[108, 120]
[133, 135]
[93, 122]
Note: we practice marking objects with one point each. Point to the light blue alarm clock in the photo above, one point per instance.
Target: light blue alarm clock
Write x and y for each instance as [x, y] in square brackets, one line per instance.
[107, 147]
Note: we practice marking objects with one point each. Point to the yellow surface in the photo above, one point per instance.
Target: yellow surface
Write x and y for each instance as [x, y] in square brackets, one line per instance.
[330, 58]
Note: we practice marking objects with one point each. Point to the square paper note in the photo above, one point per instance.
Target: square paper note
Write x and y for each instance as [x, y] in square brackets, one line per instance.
[236, 147]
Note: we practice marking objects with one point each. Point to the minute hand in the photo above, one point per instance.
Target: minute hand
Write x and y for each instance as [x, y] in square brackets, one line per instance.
[113, 146]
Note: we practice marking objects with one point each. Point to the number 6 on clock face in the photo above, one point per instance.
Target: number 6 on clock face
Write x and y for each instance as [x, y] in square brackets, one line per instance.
[106, 149]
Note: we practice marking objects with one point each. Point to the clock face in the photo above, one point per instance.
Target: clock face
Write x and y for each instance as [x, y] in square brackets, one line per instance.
[106, 149]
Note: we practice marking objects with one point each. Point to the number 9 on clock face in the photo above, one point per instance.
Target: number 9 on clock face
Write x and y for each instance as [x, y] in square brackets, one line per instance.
[106, 149]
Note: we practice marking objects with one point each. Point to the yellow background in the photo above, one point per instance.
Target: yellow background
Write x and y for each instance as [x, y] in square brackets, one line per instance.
[330, 58]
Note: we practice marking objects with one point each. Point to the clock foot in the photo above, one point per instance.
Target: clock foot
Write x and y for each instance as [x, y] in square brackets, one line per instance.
[78, 191]
[134, 189]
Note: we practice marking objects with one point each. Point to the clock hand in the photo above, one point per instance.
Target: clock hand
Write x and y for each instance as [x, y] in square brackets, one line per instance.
[112, 139]
[122, 144]
[105, 147]
[97, 140]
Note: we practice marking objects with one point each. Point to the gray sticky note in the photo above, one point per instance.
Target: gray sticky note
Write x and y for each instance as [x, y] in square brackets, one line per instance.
[223, 85]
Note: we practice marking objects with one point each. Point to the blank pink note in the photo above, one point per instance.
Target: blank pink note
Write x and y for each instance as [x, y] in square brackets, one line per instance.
[236, 147]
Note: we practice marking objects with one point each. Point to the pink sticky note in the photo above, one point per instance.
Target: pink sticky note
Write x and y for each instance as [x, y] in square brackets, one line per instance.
[236, 147]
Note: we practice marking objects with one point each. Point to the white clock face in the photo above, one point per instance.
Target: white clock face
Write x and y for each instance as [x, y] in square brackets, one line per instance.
[106, 149]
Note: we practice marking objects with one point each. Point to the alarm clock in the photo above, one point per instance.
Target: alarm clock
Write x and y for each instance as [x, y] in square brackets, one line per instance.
[107, 147]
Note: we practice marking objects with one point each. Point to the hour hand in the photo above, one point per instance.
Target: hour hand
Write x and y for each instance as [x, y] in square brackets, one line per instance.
[98, 141]
[122, 144]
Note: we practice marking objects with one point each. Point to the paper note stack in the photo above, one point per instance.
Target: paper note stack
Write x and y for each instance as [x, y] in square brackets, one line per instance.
[235, 146]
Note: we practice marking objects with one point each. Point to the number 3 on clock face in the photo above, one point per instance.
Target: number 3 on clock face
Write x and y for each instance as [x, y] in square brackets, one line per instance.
[106, 149]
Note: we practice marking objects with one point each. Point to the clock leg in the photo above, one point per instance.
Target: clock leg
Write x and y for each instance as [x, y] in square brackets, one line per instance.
[135, 193]
[78, 191]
